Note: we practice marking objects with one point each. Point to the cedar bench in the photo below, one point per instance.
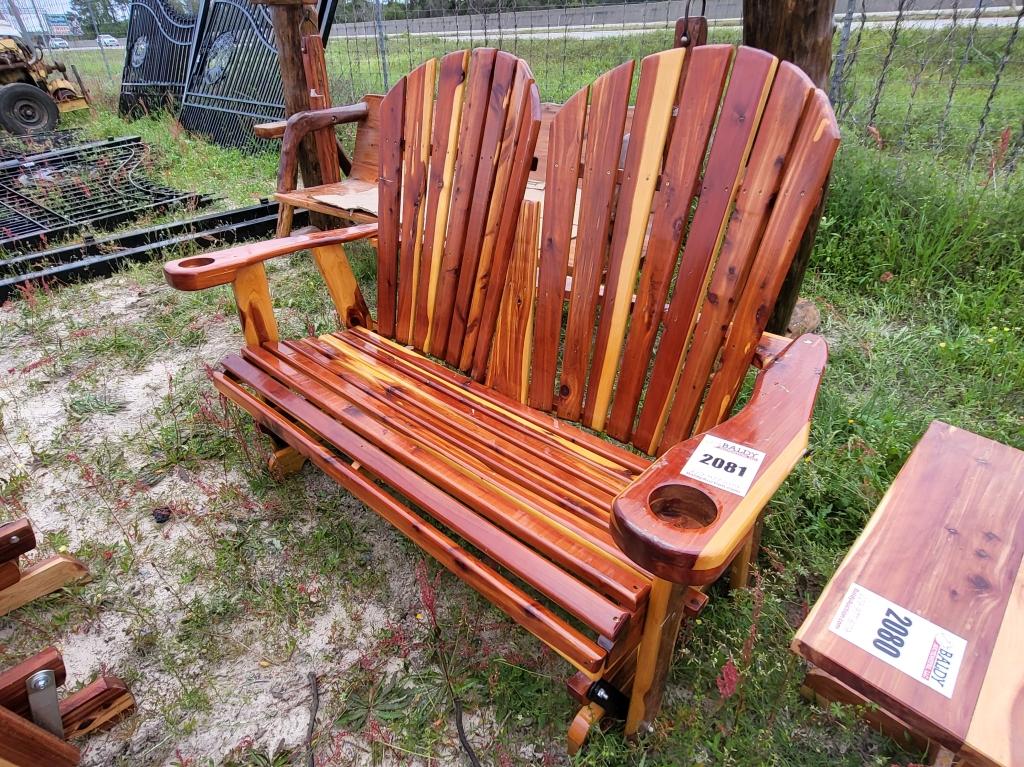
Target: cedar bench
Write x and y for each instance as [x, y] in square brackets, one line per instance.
[568, 454]
[924, 616]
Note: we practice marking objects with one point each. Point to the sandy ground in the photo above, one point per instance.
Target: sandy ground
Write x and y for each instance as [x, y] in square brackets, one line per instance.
[255, 693]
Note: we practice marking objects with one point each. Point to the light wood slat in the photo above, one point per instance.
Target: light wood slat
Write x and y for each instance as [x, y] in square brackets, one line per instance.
[609, 97]
[342, 285]
[564, 485]
[745, 96]
[655, 102]
[754, 204]
[509, 371]
[585, 481]
[474, 112]
[565, 142]
[419, 107]
[704, 78]
[570, 643]
[529, 117]
[444, 148]
[366, 156]
[255, 310]
[586, 447]
[389, 199]
[421, 441]
[588, 606]
[488, 170]
[807, 169]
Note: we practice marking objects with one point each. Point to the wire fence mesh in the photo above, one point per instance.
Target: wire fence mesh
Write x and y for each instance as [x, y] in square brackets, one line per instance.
[942, 77]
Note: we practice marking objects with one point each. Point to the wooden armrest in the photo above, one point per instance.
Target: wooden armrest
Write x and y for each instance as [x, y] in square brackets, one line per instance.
[300, 125]
[270, 130]
[685, 529]
[220, 267]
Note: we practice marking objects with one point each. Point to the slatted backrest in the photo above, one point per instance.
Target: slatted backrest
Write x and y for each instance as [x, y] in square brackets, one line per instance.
[678, 256]
[457, 137]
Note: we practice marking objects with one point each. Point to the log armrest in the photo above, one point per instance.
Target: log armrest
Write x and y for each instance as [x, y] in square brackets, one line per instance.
[220, 267]
[300, 125]
[687, 515]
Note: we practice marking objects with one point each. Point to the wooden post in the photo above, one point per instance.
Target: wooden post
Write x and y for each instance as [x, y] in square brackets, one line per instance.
[799, 31]
[291, 20]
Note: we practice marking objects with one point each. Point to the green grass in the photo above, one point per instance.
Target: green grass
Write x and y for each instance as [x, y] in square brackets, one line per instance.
[918, 271]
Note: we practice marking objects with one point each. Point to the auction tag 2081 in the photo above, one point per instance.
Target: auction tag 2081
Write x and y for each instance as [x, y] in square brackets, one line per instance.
[727, 465]
[906, 641]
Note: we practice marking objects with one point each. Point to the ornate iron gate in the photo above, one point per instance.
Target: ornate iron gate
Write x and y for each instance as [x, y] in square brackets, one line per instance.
[235, 82]
[157, 57]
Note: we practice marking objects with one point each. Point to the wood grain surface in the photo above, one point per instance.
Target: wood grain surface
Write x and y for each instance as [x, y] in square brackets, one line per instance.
[946, 543]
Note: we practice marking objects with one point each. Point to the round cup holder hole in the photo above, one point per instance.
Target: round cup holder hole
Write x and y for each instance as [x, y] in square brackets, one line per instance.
[192, 263]
[682, 506]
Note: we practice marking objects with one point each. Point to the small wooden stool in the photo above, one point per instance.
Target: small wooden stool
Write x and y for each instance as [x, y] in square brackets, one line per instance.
[925, 616]
[96, 706]
[19, 587]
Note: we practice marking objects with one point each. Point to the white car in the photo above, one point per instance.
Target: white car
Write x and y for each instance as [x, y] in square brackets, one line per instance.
[106, 41]
[58, 42]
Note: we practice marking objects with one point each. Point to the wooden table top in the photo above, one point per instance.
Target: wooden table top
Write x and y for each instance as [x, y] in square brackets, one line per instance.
[925, 616]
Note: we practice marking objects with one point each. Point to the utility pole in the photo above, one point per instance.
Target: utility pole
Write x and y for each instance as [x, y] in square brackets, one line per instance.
[799, 31]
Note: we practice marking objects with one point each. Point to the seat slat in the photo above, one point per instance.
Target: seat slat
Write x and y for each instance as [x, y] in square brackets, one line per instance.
[332, 417]
[575, 478]
[451, 88]
[609, 97]
[510, 505]
[754, 203]
[565, 141]
[569, 642]
[701, 91]
[655, 100]
[593, 451]
[749, 84]
[551, 481]
[419, 109]
[477, 97]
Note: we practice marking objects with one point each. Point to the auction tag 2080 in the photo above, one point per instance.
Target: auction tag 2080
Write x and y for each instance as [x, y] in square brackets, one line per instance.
[906, 641]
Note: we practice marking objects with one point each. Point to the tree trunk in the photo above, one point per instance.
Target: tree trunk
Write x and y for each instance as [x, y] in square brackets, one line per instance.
[799, 31]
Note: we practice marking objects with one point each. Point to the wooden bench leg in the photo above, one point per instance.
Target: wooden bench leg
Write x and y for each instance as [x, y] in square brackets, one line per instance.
[286, 461]
[96, 706]
[40, 579]
[739, 570]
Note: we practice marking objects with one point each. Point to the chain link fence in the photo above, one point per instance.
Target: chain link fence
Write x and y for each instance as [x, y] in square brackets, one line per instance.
[942, 77]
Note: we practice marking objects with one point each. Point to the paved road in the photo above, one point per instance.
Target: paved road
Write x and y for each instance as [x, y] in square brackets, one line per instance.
[660, 12]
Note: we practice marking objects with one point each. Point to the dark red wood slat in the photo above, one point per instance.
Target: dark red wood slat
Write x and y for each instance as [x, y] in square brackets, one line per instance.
[389, 193]
[493, 284]
[609, 97]
[734, 132]
[483, 188]
[474, 113]
[588, 606]
[699, 97]
[419, 92]
[754, 203]
[444, 148]
[565, 144]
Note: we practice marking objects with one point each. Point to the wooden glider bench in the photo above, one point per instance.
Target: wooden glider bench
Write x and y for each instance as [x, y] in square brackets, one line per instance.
[99, 705]
[508, 426]
[18, 587]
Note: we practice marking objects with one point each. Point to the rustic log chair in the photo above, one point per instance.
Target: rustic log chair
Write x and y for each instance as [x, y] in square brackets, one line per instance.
[451, 413]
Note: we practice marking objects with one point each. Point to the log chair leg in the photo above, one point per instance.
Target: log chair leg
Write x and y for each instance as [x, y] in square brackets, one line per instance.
[40, 579]
[285, 214]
